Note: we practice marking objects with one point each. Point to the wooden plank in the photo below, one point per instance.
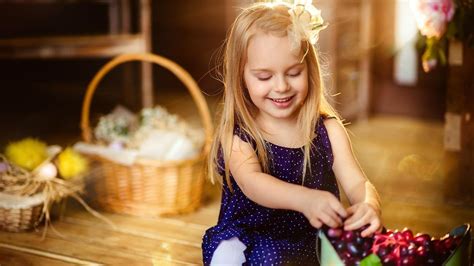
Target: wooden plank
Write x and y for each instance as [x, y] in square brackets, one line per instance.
[68, 248]
[173, 230]
[71, 46]
[143, 243]
[206, 216]
[13, 257]
[103, 2]
[160, 240]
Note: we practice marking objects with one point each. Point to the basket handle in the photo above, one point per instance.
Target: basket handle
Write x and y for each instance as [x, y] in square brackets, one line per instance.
[178, 71]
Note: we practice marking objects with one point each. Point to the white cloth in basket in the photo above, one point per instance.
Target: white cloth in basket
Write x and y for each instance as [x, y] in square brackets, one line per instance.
[8, 201]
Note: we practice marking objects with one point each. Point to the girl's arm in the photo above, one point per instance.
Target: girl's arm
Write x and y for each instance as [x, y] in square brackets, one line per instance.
[362, 195]
[320, 207]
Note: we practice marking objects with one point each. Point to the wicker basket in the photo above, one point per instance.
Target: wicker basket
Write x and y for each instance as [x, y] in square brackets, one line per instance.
[20, 219]
[150, 188]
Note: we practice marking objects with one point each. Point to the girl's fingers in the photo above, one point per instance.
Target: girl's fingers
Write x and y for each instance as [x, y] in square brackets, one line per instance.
[315, 222]
[335, 217]
[338, 208]
[351, 210]
[356, 221]
[355, 215]
[374, 226]
[355, 225]
[328, 220]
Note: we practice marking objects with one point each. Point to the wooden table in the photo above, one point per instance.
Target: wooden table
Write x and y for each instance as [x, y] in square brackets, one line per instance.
[172, 240]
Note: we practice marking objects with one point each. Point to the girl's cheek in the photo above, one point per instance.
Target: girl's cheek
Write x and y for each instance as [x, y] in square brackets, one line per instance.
[300, 83]
[261, 87]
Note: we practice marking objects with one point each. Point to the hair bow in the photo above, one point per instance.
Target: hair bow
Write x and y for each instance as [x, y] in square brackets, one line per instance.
[307, 21]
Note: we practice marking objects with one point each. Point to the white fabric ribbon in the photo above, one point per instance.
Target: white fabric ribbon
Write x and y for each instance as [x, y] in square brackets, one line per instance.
[307, 22]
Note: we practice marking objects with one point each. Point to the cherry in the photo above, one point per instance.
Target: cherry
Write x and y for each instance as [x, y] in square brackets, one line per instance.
[457, 240]
[407, 234]
[412, 249]
[448, 243]
[398, 236]
[346, 255]
[340, 246]
[334, 232]
[422, 251]
[403, 250]
[431, 261]
[383, 251]
[359, 240]
[389, 260]
[422, 239]
[409, 260]
[367, 245]
[353, 249]
[379, 241]
[348, 261]
[365, 253]
[437, 245]
[348, 236]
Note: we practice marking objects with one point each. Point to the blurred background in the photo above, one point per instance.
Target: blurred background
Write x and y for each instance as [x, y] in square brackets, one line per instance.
[412, 130]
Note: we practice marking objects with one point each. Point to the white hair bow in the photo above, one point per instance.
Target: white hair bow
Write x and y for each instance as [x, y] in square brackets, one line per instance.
[307, 21]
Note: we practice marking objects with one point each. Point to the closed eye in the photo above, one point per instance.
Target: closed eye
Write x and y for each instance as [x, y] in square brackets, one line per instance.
[294, 74]
[264, 78]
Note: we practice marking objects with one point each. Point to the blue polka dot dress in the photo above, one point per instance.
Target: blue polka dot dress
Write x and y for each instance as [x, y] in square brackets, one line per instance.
[272, 236]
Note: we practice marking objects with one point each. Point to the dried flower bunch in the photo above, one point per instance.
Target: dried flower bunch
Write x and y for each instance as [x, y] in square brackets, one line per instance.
[31, 169]
[153, 134]
[124, 129]
[439, 21]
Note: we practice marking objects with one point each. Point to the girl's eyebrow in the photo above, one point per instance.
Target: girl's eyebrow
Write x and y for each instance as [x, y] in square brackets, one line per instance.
[268, 70]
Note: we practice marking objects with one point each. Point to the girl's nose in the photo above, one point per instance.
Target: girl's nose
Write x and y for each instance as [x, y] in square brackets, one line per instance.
[281, 84]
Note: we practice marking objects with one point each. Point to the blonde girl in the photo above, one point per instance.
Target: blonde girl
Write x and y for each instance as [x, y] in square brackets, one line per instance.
[280, 148]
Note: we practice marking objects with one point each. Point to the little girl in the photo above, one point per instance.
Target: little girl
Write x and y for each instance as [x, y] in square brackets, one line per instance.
[280, 147]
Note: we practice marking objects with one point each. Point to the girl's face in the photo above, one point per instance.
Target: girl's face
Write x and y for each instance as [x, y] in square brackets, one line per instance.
[276, 79]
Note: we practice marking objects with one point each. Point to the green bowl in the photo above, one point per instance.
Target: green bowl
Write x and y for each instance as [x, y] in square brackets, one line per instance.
[460, 257]
[329, 256]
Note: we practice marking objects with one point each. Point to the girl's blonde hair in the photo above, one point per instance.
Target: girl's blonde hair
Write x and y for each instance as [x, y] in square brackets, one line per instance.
[237, 106]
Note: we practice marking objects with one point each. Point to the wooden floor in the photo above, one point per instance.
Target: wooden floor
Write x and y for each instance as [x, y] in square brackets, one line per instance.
[403, 157]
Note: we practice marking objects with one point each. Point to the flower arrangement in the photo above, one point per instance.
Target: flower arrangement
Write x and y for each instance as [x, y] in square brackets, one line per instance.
[30, 169]
[153, 133]
[439, 21]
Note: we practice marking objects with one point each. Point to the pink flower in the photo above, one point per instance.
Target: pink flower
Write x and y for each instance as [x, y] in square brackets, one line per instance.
[432, 16]
[429, 64]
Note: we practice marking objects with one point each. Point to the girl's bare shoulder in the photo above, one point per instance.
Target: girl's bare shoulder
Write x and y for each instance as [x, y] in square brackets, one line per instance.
[336, 130]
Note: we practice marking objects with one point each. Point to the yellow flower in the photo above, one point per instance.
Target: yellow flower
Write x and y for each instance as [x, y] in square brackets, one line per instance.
[27, 153]
[71, 163]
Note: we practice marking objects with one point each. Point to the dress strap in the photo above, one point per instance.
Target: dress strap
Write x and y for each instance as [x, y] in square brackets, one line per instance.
[244, 135]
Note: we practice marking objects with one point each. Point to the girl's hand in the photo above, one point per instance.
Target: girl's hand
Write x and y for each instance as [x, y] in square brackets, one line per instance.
[361, 214]
[322, 207]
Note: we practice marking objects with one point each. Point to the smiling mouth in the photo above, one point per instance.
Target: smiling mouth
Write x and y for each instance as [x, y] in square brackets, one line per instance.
[282, 100]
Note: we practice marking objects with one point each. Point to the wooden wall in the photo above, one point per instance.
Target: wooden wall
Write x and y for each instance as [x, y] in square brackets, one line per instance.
[38, 97]
[459, 161]
[190, 32]
[427, 99]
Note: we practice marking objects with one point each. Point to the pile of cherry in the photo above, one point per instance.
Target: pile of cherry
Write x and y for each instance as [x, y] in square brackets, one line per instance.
[395, 248]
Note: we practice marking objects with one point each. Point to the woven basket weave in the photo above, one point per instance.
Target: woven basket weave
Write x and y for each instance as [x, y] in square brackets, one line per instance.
[21, 219]
[149, 187]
